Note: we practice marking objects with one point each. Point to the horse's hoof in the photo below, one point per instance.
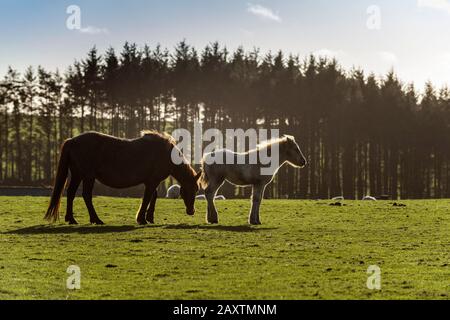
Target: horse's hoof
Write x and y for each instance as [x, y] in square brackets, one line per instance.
[72, 221]
[142, 222]
[212, 218]
[150, 219]
[255, 223]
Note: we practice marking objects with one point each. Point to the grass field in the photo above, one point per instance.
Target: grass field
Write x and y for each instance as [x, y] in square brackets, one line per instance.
[303, 250]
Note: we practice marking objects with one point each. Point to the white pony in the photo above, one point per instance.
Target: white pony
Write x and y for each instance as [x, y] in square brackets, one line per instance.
[214, 175]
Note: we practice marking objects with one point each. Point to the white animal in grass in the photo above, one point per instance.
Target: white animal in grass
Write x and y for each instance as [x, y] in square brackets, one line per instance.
[338, 198]
[173, 192]
[369, 198]
[203, 197]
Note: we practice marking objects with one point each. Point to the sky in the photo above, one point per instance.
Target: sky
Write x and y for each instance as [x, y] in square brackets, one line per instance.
[410, 36]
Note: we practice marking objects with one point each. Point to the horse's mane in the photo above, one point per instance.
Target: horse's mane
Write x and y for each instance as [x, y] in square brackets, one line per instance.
[270, 142]
[158, 135]
[185, 170]
[267, 143]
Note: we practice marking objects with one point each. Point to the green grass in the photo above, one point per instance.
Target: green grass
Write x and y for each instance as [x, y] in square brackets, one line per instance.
[303, 250]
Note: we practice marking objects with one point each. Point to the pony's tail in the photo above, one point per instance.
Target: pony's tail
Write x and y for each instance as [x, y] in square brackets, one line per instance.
[204, 180]
[52, 214]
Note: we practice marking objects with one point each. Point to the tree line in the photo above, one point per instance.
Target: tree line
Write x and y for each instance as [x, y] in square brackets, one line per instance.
[362, 135]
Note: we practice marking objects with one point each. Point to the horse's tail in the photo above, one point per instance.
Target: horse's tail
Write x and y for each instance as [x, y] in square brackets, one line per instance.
[204, 180]
[52, 214]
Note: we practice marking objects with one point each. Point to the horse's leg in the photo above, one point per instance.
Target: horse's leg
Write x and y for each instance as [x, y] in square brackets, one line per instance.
[257, 195]
[88, 186]
[150, 189]
[210, 194]
[75, 181]
[151, 209]
[140, 216]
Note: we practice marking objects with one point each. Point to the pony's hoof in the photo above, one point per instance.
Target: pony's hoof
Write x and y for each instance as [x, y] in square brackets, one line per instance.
[255, 223]
[141, 222]
[71, 221]
[212, 218]
[97, 222]
[150, 218]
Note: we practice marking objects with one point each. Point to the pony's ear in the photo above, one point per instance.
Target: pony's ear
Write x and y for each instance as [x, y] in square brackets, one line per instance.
[198, 175]
[289, 137]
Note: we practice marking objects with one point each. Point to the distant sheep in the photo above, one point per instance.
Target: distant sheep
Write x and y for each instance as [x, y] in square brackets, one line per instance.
[202, 197]
[338, 198]
[369, 198]
[173, 192]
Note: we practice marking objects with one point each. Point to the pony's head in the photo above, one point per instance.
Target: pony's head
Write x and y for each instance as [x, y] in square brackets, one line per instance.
[293, 153]
[188, 192]
[185, 175]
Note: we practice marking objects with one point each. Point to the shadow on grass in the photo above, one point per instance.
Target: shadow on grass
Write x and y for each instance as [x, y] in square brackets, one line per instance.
[46, 229]
[245, 228]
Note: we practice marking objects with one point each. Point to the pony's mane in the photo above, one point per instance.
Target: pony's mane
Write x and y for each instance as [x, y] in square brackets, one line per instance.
[183, 170]
[270, 142]
[159, 135]
[187, 168]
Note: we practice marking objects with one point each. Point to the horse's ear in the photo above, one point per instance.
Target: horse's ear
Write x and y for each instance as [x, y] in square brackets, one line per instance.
[289, 137]
[198, 175]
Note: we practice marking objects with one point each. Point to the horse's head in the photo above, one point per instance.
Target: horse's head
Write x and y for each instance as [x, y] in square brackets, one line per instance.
[188, 192]
[293, 153]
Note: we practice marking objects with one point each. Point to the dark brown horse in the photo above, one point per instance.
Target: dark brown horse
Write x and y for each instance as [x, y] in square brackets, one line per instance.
[119, 163]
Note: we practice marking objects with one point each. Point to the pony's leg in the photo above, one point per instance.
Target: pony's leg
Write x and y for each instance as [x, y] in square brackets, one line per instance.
[148, 193]
[257, 195]
[151, 209]
[88, 186]
[210, 194]
[75, 181]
